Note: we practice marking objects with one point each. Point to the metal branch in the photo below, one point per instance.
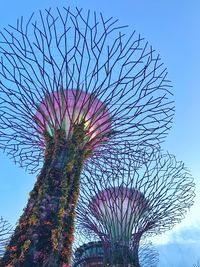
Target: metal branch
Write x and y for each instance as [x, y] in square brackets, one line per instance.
[80, 51]
[89, 250]
[121, 201]
[6, 231]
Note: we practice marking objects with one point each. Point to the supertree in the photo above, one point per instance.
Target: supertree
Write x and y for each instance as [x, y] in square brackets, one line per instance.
[72, 88]
[123, 206]
[6, 231]
[90, 252]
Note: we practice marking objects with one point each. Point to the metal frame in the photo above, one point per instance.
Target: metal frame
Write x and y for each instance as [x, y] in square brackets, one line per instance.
[121, 202]
[6, 230]
[80, 50]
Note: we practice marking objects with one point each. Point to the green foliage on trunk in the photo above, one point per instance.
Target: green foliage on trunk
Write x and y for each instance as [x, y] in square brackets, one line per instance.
[44, 235]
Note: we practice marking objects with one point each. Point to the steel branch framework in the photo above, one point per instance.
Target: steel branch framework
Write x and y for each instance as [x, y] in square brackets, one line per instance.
[125, 203]
[89, 251]
[73, 88]
[5, 234]
[80, 51]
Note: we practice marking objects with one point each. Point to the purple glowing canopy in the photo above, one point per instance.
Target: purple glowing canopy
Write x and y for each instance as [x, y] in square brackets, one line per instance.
[62, 109]
[116, 207]
[121, 202]
[82, 51]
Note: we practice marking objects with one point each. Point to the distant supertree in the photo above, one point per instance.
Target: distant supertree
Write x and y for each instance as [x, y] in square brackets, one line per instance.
[89, 251]
[5, 234]
[72, 88]
[125, 205]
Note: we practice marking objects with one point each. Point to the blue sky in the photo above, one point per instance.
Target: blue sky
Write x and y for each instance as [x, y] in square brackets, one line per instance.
[172, 27]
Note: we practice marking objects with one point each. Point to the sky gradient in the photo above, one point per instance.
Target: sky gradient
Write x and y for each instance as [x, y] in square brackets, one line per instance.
[172, 27]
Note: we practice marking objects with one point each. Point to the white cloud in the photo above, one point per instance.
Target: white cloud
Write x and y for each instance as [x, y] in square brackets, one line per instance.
[180, 247]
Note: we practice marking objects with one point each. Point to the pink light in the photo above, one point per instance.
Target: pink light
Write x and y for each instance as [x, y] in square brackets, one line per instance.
[119, 209]
[65, 108]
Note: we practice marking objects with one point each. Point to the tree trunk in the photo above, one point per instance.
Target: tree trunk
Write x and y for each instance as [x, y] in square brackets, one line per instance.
[44, 235]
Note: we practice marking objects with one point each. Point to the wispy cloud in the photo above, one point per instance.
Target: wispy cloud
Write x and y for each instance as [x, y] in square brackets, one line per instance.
[182, 248]
[188, 236]
[178, 255]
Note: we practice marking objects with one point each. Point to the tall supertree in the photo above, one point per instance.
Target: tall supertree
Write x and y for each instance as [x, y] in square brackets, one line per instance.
[123, 206]
[90, 252]
[72, 88]
[6, 231]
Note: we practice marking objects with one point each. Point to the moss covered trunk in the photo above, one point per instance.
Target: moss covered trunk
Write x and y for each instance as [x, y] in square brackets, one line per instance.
[44, 235]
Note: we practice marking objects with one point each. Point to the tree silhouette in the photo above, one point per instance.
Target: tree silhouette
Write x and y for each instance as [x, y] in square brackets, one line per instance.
[89, 251]
[127, 202]
[73, 87]
[5, 234]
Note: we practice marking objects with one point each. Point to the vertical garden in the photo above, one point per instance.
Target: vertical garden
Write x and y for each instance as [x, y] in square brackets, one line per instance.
[85, 104]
